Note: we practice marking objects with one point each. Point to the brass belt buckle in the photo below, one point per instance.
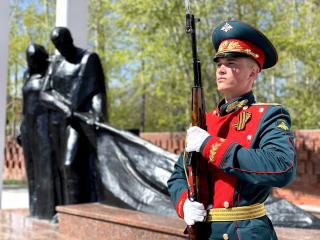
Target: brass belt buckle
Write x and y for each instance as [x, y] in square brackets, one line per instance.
[205, 218]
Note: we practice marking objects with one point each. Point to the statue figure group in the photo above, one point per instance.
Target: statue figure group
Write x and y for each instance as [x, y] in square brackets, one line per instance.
[59, 159]
[71, 155]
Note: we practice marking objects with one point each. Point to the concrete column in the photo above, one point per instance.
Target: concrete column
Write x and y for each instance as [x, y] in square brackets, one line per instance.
[4, 49]
[73, 14]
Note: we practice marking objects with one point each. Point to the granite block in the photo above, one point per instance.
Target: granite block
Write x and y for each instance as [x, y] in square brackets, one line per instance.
[95, 221]
[104, 222]
[15, 225]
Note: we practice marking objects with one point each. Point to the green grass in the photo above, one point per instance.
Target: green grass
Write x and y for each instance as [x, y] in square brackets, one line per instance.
[12, 181]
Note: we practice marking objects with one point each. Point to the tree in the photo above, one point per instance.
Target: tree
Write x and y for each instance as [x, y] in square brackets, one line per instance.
[30, 22]
[147, 60]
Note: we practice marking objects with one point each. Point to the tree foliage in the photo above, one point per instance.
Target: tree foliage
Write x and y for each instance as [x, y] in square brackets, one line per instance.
[147, 60]
[30, 22]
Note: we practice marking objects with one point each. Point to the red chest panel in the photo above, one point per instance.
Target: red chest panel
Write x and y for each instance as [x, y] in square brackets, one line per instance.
[222, 184]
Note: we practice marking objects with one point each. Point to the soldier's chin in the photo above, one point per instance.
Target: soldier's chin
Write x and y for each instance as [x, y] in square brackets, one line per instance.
[223, 88]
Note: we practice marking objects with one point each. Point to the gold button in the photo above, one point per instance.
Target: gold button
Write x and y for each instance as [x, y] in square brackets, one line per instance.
[261, 110]
[214, 112]
[245, 107]
[225, 236]
[226, 204]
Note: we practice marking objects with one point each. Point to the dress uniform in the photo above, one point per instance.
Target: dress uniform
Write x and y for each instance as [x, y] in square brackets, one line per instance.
[249, 148]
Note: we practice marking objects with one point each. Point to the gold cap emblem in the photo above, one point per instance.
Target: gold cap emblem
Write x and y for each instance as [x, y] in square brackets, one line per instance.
[234, 47]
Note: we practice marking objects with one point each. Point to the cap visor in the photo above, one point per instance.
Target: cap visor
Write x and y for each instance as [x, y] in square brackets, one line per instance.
[235, 55]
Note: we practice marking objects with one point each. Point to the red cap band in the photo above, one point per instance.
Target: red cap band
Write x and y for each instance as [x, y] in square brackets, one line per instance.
[243, 47]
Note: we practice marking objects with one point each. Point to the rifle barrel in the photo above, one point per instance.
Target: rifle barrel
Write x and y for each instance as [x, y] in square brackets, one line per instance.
[198, 164]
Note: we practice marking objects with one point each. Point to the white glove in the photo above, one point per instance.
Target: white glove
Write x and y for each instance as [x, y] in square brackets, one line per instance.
[193, 212]
[196, 137]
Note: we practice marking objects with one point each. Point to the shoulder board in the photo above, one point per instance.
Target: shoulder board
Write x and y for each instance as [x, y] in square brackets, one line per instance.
[270, 104]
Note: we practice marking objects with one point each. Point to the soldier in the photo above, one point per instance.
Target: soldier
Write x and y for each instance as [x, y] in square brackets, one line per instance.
[74, 82]
[248, 145]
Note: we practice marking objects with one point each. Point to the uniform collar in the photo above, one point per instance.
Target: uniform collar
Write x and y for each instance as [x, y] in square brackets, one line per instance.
[235, 104]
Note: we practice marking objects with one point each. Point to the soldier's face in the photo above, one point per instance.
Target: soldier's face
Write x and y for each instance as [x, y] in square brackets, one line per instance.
[233, 77]
[63, 45]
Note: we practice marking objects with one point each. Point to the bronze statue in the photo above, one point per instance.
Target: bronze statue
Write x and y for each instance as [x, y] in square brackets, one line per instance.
[37, 145]
[120, 168]
[74, 82]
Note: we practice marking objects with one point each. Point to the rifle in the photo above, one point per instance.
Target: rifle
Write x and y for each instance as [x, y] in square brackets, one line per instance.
[198, 190]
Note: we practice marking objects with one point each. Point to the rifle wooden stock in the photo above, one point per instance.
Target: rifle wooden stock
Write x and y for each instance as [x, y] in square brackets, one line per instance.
[198, 117]
[193, 232]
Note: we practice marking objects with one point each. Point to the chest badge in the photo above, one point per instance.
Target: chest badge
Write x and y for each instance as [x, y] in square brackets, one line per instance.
[243, 118]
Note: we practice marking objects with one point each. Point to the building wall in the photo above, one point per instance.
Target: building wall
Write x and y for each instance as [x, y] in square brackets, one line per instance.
[304, 190]
[13, 163]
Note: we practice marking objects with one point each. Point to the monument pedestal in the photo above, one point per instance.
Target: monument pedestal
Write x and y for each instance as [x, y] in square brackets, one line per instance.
[96, 221]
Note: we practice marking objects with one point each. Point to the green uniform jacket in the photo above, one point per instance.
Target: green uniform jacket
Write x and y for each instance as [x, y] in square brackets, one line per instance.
[249, 151]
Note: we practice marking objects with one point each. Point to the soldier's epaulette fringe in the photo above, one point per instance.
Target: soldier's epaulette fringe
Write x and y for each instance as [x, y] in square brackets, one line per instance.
[270, 104]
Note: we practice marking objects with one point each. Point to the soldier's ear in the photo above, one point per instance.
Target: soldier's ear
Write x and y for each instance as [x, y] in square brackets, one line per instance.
[254, 72]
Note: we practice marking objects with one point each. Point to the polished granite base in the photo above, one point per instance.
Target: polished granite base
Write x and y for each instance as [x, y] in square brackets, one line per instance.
[104, 222]
[95, 221]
